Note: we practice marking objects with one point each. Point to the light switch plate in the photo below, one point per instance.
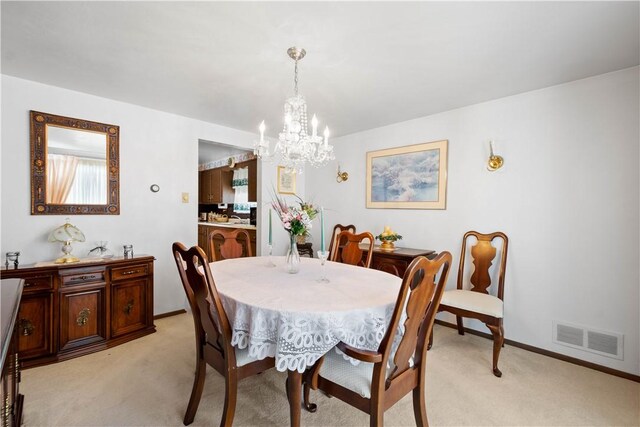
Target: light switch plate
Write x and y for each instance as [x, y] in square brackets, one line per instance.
[185, 197]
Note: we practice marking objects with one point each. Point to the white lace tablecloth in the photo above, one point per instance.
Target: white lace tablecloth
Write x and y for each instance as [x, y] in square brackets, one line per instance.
[297, 319]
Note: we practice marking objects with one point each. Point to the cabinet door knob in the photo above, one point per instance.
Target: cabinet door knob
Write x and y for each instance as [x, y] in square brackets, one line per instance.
[83, 317]
[127, 308]
[26, 326]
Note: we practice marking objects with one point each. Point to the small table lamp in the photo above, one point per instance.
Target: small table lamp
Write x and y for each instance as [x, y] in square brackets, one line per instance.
[66, 234]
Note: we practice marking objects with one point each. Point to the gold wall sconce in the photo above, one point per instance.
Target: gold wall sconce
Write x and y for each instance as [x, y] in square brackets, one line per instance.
[495, 162]
[342, 176]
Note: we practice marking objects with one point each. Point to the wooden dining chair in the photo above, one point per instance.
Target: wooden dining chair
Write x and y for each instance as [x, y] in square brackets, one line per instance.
[337, 229]
[346, 248]
[476, 302]
[374, 385]
[227, 244]
[213, 334]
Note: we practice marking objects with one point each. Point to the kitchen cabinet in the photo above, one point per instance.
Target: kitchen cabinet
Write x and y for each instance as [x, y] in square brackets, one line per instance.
[215, 186]
[68, 310]
[252, 166]
[202, 238]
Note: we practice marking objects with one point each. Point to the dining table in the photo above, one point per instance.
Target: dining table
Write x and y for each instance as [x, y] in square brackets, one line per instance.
[297, 318]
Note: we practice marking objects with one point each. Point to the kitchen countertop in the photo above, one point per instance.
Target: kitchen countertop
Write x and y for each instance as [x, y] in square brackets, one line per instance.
[228, 225]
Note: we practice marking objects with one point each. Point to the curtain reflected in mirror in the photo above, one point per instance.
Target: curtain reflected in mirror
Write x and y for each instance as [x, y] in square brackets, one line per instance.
[75, 166]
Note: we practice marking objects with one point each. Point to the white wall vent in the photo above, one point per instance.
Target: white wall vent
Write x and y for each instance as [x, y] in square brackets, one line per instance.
[600, 342]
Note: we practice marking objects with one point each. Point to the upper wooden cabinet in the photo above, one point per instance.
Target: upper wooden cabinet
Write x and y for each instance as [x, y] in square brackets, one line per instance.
[253, 178]
[215, 186]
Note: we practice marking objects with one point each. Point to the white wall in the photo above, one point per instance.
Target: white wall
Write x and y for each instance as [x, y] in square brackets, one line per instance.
[268, 173]
[155, 148]
[567, 198]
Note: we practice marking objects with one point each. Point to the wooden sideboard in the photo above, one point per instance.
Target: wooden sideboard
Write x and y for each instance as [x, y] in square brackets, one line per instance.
[396, 261]
[11, 399]
[68, 310]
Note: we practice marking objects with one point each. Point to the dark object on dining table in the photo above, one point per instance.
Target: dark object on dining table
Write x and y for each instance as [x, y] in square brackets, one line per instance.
[476, 302]
[213, 336]
[422, 296]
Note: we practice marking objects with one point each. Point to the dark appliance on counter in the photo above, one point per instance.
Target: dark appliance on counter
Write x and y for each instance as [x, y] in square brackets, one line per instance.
[253, 215]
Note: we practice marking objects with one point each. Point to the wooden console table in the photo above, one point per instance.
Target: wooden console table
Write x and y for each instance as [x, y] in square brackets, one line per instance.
[68, 310]
[11, 399]
[396, 261]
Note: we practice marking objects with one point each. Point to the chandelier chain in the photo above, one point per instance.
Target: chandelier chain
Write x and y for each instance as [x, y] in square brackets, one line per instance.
[295, 79]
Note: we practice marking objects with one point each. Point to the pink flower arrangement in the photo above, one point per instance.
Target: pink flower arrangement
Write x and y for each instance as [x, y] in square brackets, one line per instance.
[295, 219]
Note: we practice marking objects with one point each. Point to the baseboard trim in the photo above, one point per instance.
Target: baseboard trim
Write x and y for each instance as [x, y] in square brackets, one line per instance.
[548, 353]
[169, 314]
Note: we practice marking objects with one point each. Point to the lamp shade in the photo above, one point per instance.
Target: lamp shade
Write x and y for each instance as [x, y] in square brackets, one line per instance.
[66, 233]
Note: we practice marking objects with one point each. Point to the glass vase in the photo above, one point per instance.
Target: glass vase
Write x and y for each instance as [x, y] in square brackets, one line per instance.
[293, 257]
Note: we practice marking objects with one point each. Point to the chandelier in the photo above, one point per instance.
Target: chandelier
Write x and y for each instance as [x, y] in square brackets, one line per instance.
[295, 146]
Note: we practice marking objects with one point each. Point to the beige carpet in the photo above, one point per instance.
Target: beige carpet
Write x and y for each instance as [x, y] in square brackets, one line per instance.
[148, 381]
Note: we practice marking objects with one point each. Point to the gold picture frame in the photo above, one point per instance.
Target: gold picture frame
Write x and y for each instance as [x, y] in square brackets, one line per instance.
[286, 181]
[408, 177]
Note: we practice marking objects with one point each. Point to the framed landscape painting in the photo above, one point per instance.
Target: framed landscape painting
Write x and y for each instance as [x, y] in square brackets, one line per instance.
[409, 177]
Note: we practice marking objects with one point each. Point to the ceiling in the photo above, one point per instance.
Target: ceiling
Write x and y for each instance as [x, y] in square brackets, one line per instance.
[210, 151]
[368, 64]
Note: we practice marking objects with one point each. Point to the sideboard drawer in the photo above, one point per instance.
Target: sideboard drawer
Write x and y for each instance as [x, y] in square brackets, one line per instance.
[72, 278]
[124, 273]
[38, 283]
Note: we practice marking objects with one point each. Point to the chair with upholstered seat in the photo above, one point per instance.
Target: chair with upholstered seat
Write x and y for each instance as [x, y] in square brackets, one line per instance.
[227, 244]
[346, 248]
[476, 302]
[382, 377]
[337, 229]
[213, 334]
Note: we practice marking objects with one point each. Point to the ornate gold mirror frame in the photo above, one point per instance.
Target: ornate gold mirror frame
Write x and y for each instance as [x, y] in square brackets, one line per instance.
[40, 125]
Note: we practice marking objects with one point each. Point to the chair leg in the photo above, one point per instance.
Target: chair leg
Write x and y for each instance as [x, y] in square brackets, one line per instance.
[196, 391]
[230, 396]
[419, 406]
[498, 339]
[430, 344]
[377, 416]
[311, 407]
[460, 325]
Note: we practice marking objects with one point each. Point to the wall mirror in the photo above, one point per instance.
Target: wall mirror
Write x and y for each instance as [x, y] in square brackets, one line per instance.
[75, 166]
